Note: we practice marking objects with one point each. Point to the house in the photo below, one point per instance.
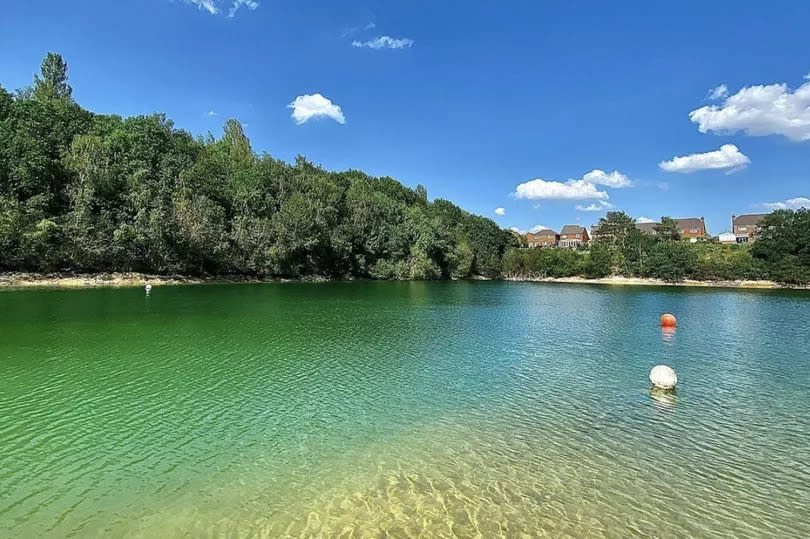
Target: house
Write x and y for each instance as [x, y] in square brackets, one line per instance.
[692, 228]
[727, 238]
[648, 228]
[573, 236]
[746, 227]
[542, 238]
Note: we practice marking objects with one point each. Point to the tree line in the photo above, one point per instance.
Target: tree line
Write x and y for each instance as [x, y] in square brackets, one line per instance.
[781, 253]
[88, 192]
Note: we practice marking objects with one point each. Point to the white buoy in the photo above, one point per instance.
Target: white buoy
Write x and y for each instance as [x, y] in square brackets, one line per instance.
[663, 377]
[148, 289]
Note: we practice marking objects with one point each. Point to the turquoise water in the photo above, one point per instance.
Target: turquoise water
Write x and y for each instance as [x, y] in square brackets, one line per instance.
[398, 409]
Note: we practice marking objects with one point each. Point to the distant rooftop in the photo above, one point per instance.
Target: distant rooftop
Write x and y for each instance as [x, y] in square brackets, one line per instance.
[572, 229]
[649, 228]
[747, 219]
[690, 222]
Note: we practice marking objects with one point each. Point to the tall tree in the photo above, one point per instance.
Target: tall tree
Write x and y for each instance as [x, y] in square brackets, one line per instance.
[667, 229]
[52, 81]
[783, 244]
[614, 228]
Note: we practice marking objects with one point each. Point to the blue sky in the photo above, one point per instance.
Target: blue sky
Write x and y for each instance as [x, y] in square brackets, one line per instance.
[525, 106]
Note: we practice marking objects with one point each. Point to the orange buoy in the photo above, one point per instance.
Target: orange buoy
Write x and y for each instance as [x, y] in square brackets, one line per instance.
[668, 320]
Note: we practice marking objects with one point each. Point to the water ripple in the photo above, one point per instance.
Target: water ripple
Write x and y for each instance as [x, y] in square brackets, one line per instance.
[402, 409]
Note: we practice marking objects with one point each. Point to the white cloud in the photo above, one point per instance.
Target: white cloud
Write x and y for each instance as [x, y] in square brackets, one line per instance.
[370, 26]
[643, 219]
[212, 113]
[535, 228]
[615, 179]
[719, 92]
[570, 190]
[728, 157]
[250, 4]
[500, 211]
[385, 42]
[211, 5]
[207, 5]
[772, 109]
[596, 206]
[789, 204]
[306, 107]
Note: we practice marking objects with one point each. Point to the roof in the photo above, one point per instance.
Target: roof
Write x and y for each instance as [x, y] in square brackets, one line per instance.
[649, 228]
[748, 219]
[690, 222]
[542, 232]
[572, 229]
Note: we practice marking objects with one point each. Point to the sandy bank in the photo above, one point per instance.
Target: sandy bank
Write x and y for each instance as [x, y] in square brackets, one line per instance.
[95, 280]
[638, 281]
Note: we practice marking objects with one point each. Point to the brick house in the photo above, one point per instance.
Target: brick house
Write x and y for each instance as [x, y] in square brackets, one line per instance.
[692, 228]
[573, 236]
[746, 227]
[542, 238]
[648, 228]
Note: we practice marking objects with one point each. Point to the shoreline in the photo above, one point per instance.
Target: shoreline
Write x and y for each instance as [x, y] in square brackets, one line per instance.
[24, 280]
[645, 281]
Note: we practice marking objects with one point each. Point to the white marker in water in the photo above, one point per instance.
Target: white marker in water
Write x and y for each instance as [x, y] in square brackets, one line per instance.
[663, 377]
[148, 289]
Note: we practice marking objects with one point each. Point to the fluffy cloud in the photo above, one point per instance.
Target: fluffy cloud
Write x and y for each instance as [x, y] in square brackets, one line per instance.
[306, 107]
[789, 204]
[772, 109]
[728, 157]
[500, 211]
[535, 228]
[615, 179]
[211, 6]
[718, 93]
[212, 113]
[385, 42]
[596, 206]
[207, 5]
[643, 219]
[570, 190]
[250, 4]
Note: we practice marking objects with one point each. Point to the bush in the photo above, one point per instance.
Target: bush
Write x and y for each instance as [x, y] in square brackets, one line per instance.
[599, 262]
[671, 261]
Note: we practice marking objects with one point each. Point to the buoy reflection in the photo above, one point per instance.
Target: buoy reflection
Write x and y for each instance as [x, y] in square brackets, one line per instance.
[668, 333]
[664, 399]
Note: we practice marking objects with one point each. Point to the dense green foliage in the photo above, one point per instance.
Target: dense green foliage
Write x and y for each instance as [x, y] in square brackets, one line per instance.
[88, 192]
[784, 245]
[782, 253]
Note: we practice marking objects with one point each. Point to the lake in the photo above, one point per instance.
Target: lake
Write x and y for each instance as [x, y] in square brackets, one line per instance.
[370, 409]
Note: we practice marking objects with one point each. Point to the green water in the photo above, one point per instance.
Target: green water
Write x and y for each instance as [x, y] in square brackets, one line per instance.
[397, 409]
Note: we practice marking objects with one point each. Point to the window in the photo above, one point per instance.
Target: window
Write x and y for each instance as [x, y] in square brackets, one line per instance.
[743, 229]
[693, 230]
